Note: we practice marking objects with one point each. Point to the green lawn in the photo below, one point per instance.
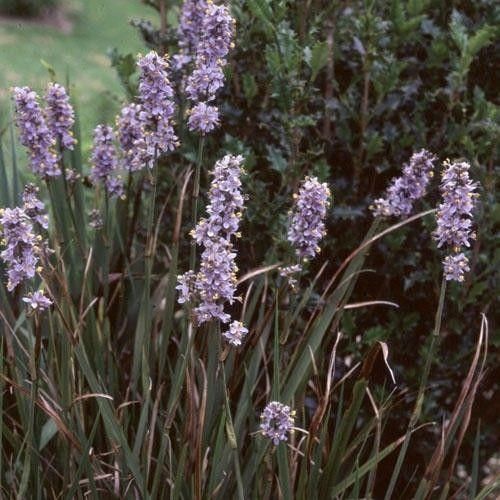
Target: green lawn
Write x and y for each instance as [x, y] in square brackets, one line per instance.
[98, 25]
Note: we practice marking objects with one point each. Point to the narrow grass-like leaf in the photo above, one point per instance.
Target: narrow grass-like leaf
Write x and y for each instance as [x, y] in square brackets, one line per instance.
[4, 183]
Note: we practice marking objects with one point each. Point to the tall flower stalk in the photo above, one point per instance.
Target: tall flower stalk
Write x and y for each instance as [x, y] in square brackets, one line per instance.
[215, 283]
[454, 218]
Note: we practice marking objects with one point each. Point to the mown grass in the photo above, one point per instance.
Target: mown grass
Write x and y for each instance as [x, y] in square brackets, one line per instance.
[81, 55]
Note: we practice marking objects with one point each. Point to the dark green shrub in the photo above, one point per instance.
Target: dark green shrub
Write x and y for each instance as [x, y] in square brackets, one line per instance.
[27, 8]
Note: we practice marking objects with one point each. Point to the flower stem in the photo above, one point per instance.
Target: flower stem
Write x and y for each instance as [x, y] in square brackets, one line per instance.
[196, 195]
[417, 411]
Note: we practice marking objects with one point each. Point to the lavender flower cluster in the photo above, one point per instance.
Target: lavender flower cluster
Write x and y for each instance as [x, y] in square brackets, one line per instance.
[105, 160]
[60, 115]
[236, 333]
[277, 421]
[157, 105]
[454, 217]
[34, 207]
[37, 301]
[410, 187]
[131, 136]
[41, 128]
[23, 246]
[206, 34]
[215, 283]
[307, 226]
[191, 20]
[35, 133]
[145, 130]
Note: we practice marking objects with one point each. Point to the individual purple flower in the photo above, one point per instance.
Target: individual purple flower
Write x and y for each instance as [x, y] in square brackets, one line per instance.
[21, 246]
[236, 333]
[71, 176]
[60, 115]
[104, 160]
[307, 226]
[132, 138]
[277, 421]
[455, 266]
[203, 118]
[404, 191]
[186, 283]
[215, 283]
[33, 207]
[35, 134]
[95, 219]
[454, 215]
[157, 105]
[189, 30]
[38, 301]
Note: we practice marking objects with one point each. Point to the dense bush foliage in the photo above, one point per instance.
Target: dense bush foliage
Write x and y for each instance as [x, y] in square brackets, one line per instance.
[120, 375]
[27, 8]
[348, 91]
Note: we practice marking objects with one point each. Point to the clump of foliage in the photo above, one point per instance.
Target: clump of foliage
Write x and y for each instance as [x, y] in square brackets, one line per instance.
[28, 8]
[178, 315]
[348, 90]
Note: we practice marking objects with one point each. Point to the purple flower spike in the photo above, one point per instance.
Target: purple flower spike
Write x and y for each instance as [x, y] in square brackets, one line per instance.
[236, 333]
[60, 115]
[215, 283]
[104, 160]
[277, 422]
[35, 134]
[217, 33]
[203, 118]
[190, 23]
[21, 246]
[131, 135]
[157, 105]
[404, 191]
[454, 217]
[215, 39]
[38, 301]
[307, 226]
